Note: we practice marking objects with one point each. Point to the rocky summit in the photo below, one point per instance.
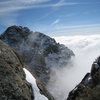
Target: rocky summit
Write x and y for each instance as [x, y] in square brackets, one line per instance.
[13, 84]
[40, 52]
[89, 87]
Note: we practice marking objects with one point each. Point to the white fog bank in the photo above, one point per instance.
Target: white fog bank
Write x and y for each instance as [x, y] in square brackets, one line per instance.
[86, 49]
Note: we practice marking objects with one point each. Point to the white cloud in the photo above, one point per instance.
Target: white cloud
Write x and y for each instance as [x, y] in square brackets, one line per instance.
[59, 29]
[86, 49]
[8, 10]
[77, 26]
[77, 29]
[56, 22]
[58, 4]
[10, 7]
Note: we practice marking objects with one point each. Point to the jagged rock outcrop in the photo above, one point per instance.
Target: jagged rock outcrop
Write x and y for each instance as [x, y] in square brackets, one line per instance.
[13, 85]
[89, 87]
[40, 52]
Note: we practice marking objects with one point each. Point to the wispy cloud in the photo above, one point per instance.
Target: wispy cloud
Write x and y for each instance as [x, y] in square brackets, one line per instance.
[76, 26]
[56, 22]
[55, 5]
[60, 30]
[10, 7]
[78, 29]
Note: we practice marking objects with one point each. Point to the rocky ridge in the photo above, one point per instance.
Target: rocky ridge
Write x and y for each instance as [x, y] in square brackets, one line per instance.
[13, 84]
[89, 87]
[40, 52]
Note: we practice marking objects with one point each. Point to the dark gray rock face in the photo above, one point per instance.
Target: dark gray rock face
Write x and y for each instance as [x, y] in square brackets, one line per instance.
[13, 85]
[89, 87]
[40, 52]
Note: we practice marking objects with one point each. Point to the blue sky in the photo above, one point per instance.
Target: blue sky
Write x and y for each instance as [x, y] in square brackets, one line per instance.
[52, 17]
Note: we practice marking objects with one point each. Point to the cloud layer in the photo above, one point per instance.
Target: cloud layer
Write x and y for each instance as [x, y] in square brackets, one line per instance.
[86, 49]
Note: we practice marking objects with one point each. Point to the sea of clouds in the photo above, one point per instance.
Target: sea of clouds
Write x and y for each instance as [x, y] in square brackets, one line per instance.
[86, 49]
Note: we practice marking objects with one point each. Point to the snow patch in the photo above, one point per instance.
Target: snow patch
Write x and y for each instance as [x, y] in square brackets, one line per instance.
[32, 80]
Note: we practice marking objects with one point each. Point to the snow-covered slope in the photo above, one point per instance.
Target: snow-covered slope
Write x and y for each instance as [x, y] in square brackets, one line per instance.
[36, 91]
